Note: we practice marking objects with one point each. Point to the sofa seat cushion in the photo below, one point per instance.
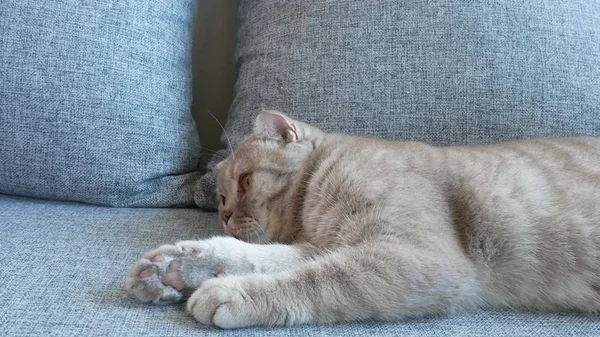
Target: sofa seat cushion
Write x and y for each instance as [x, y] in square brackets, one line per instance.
[63, 266]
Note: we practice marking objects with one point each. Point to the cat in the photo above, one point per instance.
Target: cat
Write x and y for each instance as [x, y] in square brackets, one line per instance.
[328, 228]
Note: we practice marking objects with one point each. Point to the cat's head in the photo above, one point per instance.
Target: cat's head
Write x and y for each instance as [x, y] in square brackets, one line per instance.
[255, 184]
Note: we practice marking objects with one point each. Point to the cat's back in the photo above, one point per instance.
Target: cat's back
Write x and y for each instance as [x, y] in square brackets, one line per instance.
[565, 169]
[527, 213]
[548, 176]
[552, 174]
[556, 154]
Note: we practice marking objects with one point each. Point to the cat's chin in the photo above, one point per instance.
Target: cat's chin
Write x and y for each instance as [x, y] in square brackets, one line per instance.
[243, 238]
[253, 238]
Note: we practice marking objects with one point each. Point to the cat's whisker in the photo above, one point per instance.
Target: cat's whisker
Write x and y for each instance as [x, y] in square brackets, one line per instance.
[259, 226]
[209, 150]
[209, 157]
[225, 133]
[237, 232]
[265, 219]
[257, 235]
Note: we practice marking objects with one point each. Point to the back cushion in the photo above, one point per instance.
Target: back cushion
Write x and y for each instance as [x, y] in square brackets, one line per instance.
[441, 72]
[95, 101]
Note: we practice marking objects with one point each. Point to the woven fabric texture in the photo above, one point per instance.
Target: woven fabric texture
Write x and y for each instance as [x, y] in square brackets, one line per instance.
[95, 101]
[442, 72]
[64, 265]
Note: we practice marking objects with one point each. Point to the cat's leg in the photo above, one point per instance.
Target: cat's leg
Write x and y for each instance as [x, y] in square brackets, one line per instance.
[379, 281]
[170, 272]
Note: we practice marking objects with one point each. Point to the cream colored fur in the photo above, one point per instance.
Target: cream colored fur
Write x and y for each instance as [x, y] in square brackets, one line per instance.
[363, 229]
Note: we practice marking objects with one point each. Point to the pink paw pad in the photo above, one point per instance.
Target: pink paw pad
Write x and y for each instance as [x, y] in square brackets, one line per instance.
[173, 277]
[158, 259]
[147, 273]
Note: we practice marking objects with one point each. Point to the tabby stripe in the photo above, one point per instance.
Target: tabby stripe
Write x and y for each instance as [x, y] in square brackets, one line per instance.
[277, 195]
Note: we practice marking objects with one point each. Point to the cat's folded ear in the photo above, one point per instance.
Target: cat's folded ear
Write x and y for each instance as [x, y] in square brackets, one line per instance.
[220, 165]
[276, 125]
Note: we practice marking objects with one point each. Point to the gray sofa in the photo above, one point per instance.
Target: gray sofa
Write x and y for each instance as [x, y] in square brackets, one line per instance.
[63, 266]
[445, 73]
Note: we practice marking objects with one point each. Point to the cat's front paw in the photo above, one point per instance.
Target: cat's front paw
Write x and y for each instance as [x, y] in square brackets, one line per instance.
[169, 272]
[224, 303]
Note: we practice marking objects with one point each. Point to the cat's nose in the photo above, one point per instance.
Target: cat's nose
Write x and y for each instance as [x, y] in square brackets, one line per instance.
[225, 215]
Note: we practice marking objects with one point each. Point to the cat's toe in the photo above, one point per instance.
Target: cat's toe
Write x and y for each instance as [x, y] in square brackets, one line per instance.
[220, 302]
[170, 272]
[163, 254]
[153, 280]
[144, 282]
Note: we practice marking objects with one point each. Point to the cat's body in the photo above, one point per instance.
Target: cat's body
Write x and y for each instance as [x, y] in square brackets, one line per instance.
[385, 230]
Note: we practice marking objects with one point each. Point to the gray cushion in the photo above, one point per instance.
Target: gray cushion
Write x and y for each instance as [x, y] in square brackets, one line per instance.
[63, 266]
[95, 101]
[443, 72]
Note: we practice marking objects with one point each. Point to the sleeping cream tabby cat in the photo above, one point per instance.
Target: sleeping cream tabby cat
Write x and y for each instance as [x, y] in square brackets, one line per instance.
[334, 228]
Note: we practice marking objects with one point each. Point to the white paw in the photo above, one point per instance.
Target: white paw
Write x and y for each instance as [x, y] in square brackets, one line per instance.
[224, 303]
[167, 273]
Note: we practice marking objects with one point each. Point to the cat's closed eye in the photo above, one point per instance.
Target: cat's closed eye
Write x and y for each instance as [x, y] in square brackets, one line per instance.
[223, 199]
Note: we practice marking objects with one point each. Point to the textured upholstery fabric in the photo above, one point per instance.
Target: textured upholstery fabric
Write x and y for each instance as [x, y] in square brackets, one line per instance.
[443, 72]
[95, 101]
[64, 264]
